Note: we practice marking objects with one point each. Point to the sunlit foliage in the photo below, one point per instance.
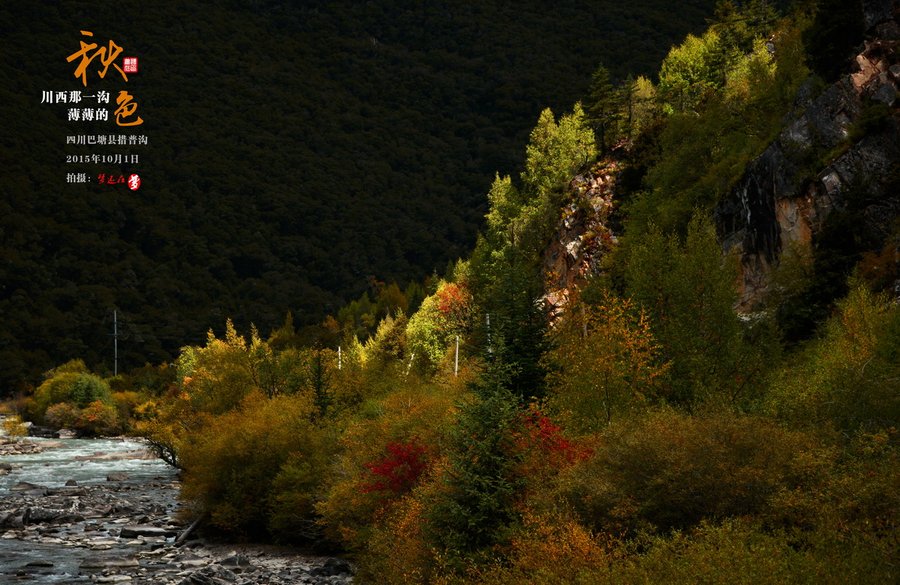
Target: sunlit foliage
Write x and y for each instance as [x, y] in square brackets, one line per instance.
[605, 362]
[257, 464]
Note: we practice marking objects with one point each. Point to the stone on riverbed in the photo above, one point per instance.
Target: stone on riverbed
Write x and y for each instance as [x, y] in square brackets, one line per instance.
[24, 486]
[144, 530]
[38, 515]
[110, 563]
[126, 536]
[10, 446]
[236, 561]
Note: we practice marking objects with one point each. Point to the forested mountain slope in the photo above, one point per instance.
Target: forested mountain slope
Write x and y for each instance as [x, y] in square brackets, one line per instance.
[295, 149]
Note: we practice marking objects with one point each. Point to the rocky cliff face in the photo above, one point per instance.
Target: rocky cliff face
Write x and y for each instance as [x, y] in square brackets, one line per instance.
[582, 237]
[830, 151]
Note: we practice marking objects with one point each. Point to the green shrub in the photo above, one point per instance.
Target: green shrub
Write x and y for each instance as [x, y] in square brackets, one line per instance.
[297, 489]
[739, 552]
[848, 378]
[671, 471]
[687, 287]
[70, 383]
[87, 389]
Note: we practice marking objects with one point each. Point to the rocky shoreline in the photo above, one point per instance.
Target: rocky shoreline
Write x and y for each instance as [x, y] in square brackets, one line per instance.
[123, 531]
[10, 446]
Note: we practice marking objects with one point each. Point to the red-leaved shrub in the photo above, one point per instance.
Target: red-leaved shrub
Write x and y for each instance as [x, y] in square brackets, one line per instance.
[399, 470]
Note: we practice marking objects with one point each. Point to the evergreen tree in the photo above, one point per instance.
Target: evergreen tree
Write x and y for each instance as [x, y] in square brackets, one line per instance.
[603, 107]
[837, 29]
[481, 485]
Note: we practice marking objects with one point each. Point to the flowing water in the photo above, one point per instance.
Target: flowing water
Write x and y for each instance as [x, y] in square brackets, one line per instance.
[84, 460]
[87, 462]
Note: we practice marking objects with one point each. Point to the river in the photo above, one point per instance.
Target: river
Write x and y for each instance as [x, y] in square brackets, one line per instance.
[110, 528]
[85, 461]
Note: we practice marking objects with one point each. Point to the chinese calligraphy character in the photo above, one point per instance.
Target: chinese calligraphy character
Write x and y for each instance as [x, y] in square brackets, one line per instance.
[107, 57]
[126, 109]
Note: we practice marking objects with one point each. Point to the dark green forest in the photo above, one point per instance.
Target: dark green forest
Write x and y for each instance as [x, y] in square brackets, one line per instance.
[299, 153]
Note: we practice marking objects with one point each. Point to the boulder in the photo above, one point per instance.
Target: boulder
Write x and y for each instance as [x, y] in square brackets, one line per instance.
[24, 486]
[144, 530]
[886, 94]
[877, 11]
[39, 515]
[337, 567]
[236, 560]
[42, 432]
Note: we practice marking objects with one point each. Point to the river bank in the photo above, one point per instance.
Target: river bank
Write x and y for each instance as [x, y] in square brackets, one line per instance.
[102, 511]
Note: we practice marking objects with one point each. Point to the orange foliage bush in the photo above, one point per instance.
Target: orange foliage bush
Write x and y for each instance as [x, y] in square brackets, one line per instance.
[549, 545]
[605, 363]
[62, 415]
[98, 418]
[233, 463]
[397, 551]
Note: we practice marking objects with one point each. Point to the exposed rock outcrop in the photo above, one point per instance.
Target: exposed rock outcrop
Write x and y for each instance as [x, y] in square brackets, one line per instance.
[817, 162]
[582, 237]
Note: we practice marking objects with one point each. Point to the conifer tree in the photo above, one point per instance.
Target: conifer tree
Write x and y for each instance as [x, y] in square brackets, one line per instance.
[603, 107]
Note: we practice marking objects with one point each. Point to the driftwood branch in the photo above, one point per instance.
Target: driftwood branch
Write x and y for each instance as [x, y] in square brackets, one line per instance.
[187, 531]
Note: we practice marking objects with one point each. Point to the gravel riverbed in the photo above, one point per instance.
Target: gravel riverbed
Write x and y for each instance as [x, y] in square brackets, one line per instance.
[120, 526]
